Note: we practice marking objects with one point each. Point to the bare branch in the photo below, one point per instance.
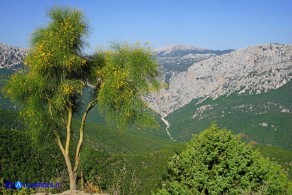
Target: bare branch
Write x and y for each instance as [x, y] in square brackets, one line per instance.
[58, 139]
[81, 133]
[69, 121]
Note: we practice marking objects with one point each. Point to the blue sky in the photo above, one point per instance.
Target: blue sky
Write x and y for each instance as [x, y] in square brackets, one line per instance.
[213, 24]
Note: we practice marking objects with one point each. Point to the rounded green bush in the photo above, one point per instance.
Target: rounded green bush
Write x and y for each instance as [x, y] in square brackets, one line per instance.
[218, 162]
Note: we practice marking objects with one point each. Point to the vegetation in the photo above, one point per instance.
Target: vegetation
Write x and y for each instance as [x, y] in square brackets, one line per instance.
[111, 161]
[120, 78]
[5, 103]
[217, 162]
[143, 154]
[27, 161]
[131, 173]
[10, 120]
[279, 155]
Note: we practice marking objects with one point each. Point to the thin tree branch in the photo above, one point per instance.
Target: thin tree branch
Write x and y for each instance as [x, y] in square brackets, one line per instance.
[81, 133]
[69, 121]
[58, 139]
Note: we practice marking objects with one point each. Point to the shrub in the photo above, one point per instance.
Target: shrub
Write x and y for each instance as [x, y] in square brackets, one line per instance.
[218, 162]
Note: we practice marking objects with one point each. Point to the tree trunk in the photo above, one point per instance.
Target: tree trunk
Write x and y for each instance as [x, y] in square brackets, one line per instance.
[66, 154]
[65, 151]
[72, 173]
[72, 179]
[81, 135]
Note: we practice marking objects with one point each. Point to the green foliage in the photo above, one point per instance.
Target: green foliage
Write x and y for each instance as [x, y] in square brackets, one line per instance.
[127, 74]
[5, 103]
[55, 74]
[134, 141]
[142, 153]
[279, 155]
[217, 162]
[22, 159]
[10, 120]
[125, 173]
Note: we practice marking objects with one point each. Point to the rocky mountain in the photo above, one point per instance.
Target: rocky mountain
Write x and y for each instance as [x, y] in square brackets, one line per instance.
[11, 57]
[254, 69]
[178, 58]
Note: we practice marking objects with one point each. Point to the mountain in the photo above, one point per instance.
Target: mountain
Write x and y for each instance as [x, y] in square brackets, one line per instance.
[247, 90]
[11, 57]
[178, 58]
[254, 69]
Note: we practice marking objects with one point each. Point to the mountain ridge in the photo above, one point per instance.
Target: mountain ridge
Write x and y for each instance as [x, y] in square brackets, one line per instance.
[178, 58]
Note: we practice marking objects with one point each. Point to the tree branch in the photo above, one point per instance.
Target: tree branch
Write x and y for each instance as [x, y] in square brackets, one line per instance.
[69, 121]
[81, 133]
[58, 139]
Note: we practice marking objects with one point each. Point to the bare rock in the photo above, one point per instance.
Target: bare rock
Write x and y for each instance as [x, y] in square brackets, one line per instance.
[254, 69]
[11, 57]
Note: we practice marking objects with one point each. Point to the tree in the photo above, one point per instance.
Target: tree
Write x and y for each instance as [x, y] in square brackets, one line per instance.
[217, 162]
[50, 87]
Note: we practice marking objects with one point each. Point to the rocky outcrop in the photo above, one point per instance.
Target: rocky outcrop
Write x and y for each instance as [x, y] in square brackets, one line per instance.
[178, 58]
[255, 69]
[11, 57]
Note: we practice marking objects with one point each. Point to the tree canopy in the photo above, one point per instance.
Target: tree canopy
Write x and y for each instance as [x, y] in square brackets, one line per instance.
[50, 87]
[55, 71]
[218, 162]
[129, 72]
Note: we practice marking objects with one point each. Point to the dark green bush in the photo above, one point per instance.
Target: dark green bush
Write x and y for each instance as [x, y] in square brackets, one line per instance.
[217, 162]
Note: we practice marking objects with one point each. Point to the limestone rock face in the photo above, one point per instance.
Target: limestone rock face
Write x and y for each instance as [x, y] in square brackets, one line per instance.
[178, 58]
[254, 69]
[11, 57]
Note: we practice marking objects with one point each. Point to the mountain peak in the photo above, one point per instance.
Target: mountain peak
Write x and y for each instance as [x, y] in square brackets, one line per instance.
[171, 48]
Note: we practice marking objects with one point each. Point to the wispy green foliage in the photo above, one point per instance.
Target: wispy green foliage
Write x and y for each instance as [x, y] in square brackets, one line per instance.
[54, 75]
[217, 162]
[127, 74]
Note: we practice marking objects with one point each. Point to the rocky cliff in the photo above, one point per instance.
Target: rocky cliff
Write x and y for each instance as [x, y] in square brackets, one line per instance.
[178, 58]
[255, 69]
